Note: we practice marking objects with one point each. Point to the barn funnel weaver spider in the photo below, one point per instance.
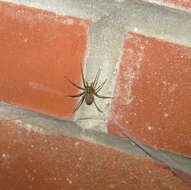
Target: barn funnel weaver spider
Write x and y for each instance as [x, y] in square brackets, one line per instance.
[89, 91]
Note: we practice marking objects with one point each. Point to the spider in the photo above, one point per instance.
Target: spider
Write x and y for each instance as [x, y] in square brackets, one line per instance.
[89, 91]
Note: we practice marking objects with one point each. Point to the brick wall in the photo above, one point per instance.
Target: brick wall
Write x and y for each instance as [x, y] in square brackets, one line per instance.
[142, 48]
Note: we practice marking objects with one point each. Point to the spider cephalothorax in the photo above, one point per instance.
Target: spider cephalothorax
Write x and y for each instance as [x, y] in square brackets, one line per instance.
[89, 91]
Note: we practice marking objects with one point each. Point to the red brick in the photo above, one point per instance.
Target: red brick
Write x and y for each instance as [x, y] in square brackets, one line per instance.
[152, 95]
[30, 160]
[38, 49]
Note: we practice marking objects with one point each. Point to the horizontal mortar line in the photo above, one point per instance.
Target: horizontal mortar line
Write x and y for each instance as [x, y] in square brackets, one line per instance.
[68, 128]
[170, 24]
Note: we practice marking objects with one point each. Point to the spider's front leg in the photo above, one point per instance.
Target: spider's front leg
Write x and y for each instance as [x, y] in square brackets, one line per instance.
[83, 78]
[98, 89]
[100, 96]
[74, 84]
[75, 96]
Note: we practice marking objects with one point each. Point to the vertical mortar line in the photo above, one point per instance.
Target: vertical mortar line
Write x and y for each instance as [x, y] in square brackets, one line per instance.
[105, 45]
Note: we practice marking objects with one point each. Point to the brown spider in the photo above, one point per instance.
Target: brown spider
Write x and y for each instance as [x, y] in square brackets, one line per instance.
[88, 91]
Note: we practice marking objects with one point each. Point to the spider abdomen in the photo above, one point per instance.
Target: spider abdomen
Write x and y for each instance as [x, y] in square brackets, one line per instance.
[89, 99]
[89, 91]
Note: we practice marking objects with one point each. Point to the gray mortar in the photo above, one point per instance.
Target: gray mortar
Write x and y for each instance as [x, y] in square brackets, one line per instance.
[173, 25]
[57, 126]
[104, 52]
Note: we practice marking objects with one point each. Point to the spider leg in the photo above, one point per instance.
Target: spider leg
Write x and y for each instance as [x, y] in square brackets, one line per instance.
[83, 78]
[74, 84]
[77, 95]
[97, 106]
[80, 103]
[100, 87]
[100, 96]
[96, 78]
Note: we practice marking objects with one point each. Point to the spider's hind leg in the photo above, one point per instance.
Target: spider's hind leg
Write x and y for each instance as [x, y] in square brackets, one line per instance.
[97, 106]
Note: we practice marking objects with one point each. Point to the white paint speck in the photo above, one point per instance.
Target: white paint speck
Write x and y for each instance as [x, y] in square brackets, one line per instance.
[149, 127]
[68, 21]
[25, 40]
[142, 47]
[135, 29]
[166, 115]
[69, 180]
[164, 82]
[30, 127]
[77, 143]
[5, 156]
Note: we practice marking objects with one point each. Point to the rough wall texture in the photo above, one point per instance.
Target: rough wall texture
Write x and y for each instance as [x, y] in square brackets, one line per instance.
[177, 3]
[143, 49]
[35, 61]
[153, 92]
[31, 160]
